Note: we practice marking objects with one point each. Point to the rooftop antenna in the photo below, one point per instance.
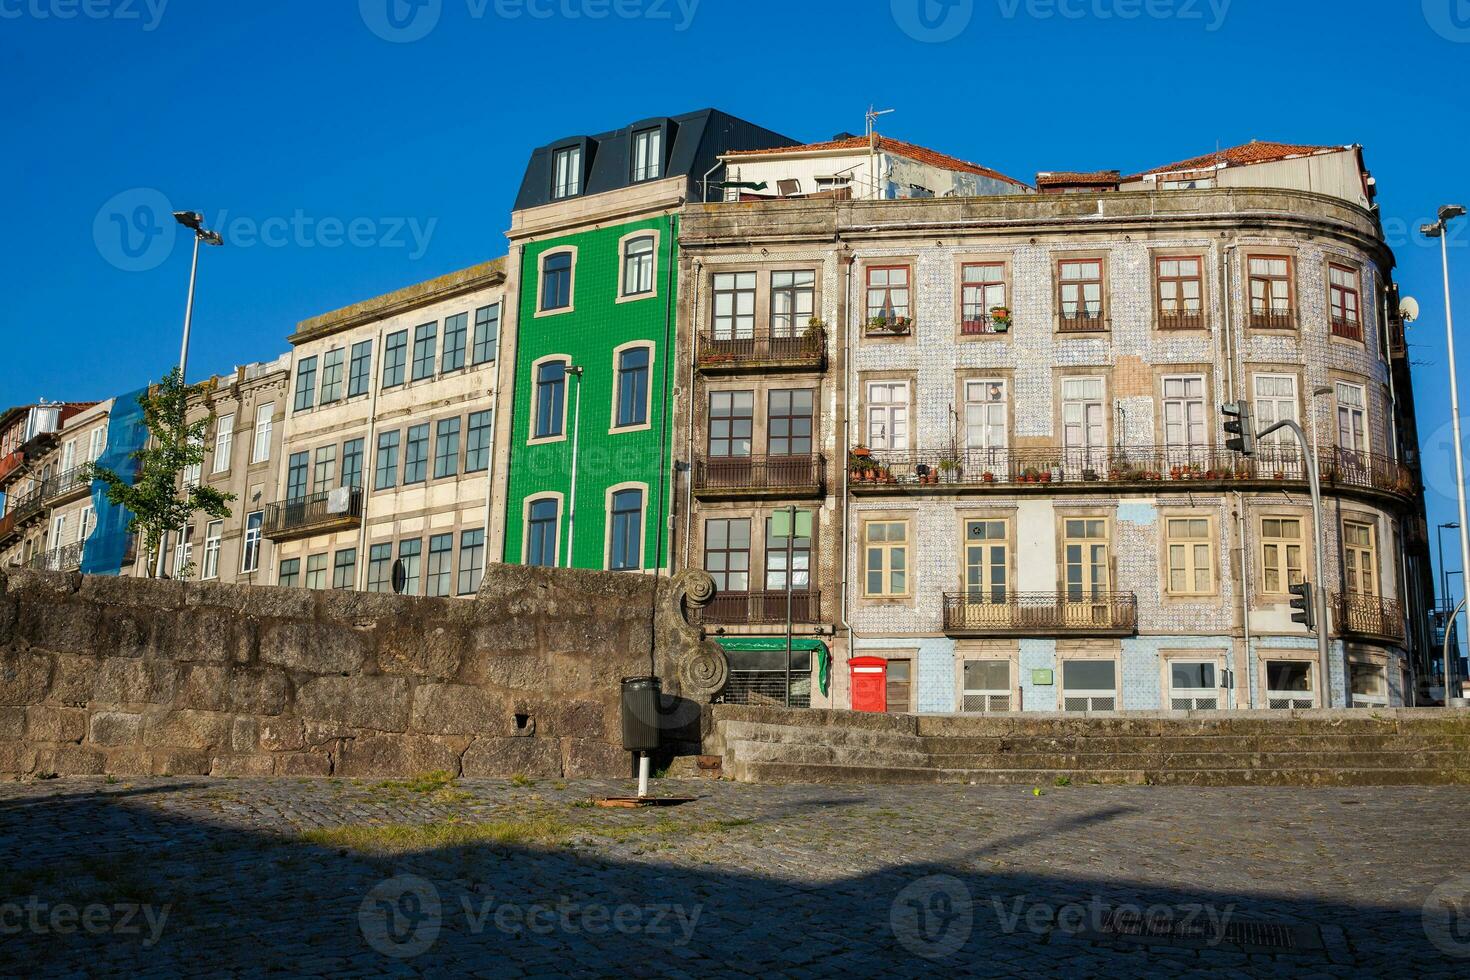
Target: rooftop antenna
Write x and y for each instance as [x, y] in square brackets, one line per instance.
[872, 126]
[872, 118]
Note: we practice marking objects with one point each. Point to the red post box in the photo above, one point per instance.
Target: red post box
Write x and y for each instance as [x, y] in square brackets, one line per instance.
[869, 683]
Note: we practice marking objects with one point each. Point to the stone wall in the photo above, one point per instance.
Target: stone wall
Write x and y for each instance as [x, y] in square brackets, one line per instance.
[132, 676]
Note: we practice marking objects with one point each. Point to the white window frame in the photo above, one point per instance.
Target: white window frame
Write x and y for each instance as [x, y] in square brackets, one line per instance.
[1269, 410]
[1352, 419]
[1089, 699]
[250, 548]
[224, 443]
[566, 172]
[986, 700]
[1084, 417]
[980, 400]
[97, 444]
[85, 518]
[260, 451]
[1184, 411]
[68, 455]
[1197, 698]
[1280, 700]
[647, 154]
[213, 533]
[886, 567]
[888, 416]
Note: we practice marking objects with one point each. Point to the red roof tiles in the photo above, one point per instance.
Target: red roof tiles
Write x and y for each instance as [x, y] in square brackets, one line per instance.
[1255, 151]
[1096, 178]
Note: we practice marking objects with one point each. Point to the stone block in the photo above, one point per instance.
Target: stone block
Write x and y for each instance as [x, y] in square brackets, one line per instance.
[281, 734]
[128, 762]
[203, 686]
[125, 681]
[506, 636]
[513, 670]
[24, 676]
[380, 703]
[205, 635]
[303, 764]
[69, 760]
[115, 728]
[64, 625]
[74, 678]
[421, 651]
[12, 722]
[397, 755]
[497, 756]
[244, 735]
[123, 633]
[585, 758]
[574, 719]
[125, 592]
[253, 764]
[16, 758]
[45, 723]
[181, 762]
[445, 709]
[253, 691]
[187, 729]
[313, 648]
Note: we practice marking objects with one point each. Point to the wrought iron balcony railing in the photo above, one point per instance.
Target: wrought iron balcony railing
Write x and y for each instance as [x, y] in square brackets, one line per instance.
[991, 612]
[1137, 467]
[1082, 321]
[1281, 318]
[764, 607]
[1346, 328]
[1181, 320]
[74, 479]
[333, 510]
[807, 349]
[888, 326]
[760, 475]
[67, 558]
[1396, 344]
[1368, 615]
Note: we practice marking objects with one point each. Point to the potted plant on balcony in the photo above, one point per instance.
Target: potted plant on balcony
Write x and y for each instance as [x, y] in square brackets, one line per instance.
[949, 468]
[1000, 319]
[884, 324]
[1030, 475]
[987, 477]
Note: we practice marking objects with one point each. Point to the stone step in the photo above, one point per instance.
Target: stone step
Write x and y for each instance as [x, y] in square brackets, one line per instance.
[1318, 742]
[737, 731]
[777, 772]
[1187, 723]
[757, 751]
[1201, 760]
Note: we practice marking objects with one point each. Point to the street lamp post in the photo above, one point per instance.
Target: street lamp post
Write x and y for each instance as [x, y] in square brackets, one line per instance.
[194, 221]
[1444, 579]
[1439, 230]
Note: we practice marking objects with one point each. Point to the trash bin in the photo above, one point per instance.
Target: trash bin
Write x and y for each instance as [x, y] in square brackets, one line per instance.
[640, 713]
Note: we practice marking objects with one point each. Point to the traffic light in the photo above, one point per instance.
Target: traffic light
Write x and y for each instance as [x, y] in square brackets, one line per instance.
[1301, 604]
[1238, 428]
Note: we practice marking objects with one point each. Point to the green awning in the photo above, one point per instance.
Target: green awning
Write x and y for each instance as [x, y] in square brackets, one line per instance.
[769, 653]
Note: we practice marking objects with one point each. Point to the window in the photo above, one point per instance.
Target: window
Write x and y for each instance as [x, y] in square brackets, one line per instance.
[250, 549]
[213, 532]
[85, 523]
[888, 292]
[638, 266]
[296, 469]
[395, 358]
[1289, 684]
[261, 450]
[1369, 685]
[541, 532]
[332, 375]
[441, 565]
[380, 568]
[425, 338]
[556, 281]
[69, 455]
[487, 334]
[192, 471]
[290, 573]
[789, 422]
[446, 448]
[632, 386]
[888, 415]
[324, 473]
[386, 475]
[987, 563]
[734, 309]
[625, 531]
[566, 172]
[1192, 685]
[1081, 294]
[731, 422]
[416, 455]
[647, 154]
[1085, 561]
[1276, 402]
[987, 685]
[1270, 286]
[477, 443]
[1281, 554]
[986, 411]
[409, 552]
[344, 569]
[184, 552]
[1343, 296]
[793, 302]
[360, 369]
[305, 383]
[352, 463]
[727, 553]
[1180, 293]
[1184, 412]
[224, 443]
[1191, 556]
[1089, 685]
[98, 440]
[886, 547]
[455, 331]
[316, 571]
[551, 399]
[1359, 562]
[1083, 420]
[982, 289]
[1352, 434]
[471, 561]
[801, 553]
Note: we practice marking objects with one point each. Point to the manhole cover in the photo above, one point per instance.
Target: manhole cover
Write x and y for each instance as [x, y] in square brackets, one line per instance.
[1201, 931]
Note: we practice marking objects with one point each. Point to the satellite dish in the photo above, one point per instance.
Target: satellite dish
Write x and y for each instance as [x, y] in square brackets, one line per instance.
[1409, 309]
[400, 577]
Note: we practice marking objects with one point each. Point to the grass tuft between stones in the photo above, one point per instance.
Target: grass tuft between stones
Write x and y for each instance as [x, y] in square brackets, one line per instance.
[546, 830]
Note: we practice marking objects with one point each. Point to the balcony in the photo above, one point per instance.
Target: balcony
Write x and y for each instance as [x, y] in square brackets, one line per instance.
[1281, 318]
[10, 462]
[1397, 348]
[319, 513]
[1369, 616]
[67, 485]
[759, 476]
[67, 558]
[22, 512]
[976, 324]
[888, 326]
[1082, 321]
[981, 613]
[1135, 469]
[1181, 320]
[765, 608]
[729, 354]
[1347, 329]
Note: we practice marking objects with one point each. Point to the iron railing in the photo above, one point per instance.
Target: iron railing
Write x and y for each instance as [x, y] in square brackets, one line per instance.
[1368, 615]
[1142, 466]
[984, 612]
[766, 687]
[759, 474]
[67, 558]
[73, 479]
[894, 326]
[807, 349]
[1275, 319]
[764, 607]
[975, 323]
[1350, 329]
[1181, 320]
[1082, 322]
[306, 515]
[1396, 344]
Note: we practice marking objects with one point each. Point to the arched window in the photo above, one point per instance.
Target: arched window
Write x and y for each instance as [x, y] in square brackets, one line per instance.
[638, 265]
[632, 386]
[625, 530]
[541, 527]
[551, 399]
[556, 281]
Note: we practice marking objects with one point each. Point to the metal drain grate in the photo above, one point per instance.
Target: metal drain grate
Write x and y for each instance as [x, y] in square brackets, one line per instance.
[1262, 935]
[1200, 932]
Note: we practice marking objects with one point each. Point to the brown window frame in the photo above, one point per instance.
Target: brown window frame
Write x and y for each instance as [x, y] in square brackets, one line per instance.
[772, 417]
[730, 437]
[727, 551]
[1341, 325]
[906, 313]
[983, 324]
[1266, 319]
[1179, 319]
[1082, 322]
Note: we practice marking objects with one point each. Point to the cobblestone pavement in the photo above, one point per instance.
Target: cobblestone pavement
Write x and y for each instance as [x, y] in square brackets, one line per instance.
[500, 878]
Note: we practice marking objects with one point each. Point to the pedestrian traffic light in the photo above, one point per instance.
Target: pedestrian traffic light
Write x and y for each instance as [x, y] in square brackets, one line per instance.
[1240, 438]
[1301, 604]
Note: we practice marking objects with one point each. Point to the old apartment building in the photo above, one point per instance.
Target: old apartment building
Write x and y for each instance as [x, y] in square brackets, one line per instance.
[1004, 411]
[44, 452]
[389, 440]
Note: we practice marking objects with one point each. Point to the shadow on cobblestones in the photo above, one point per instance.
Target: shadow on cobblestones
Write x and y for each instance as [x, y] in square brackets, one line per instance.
[213, 877]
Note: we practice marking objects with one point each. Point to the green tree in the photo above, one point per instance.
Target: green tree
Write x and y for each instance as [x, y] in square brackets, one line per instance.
[159, 504]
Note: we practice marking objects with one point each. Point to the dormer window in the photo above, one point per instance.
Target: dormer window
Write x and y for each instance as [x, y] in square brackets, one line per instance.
[647, 154]
[566, 170]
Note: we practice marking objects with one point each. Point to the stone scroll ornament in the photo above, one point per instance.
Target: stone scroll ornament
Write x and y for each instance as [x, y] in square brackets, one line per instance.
[702, 666]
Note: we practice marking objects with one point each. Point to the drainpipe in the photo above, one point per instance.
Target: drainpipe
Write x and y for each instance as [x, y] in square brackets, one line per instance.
[665, 523]
[575, 370]
[694, 318]
[1236, 389]
[494, 424]
[850, 379]
[370, 459]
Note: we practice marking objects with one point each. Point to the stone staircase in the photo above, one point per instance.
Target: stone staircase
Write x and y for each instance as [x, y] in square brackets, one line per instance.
[1336, 747]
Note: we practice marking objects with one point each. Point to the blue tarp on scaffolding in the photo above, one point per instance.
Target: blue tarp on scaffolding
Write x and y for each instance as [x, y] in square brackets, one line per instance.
[107, 546]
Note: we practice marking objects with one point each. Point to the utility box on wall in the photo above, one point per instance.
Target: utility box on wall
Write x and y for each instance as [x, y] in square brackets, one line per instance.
[868, 677]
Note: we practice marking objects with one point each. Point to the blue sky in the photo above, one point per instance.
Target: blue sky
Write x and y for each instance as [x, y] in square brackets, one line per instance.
[344, 164]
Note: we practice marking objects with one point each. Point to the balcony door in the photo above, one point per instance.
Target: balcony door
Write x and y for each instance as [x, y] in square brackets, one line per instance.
[789, 436]
[1084, 426]
[888, 415]
[987, 410]
[731, 431]
[1185, 436]
[727, 560]
[777, 569]
[1087, 578]
[1352, 425]
[1276, 401]
[987, 567]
